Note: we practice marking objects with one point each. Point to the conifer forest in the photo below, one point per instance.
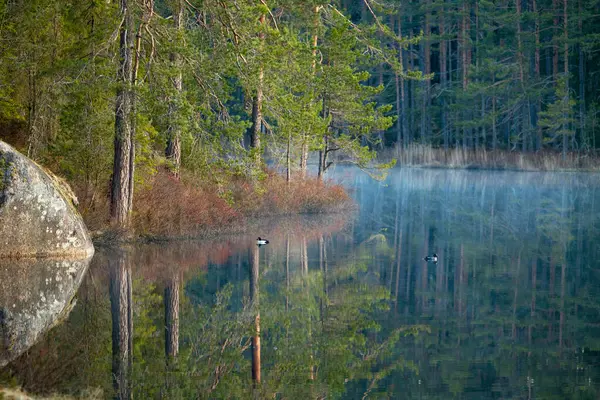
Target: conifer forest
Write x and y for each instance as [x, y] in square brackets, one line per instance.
[195, 83]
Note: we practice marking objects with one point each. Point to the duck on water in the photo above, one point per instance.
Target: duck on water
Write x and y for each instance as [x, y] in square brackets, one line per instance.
[261, 242]
[433, 258]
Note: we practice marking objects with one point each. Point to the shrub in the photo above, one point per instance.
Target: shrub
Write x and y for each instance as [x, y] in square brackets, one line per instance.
[167, 206]
[164, 206]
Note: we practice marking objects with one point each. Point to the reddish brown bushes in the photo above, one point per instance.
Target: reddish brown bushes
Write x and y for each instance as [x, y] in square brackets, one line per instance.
[171, 207]
[275, 196]
[165, 206]
[302, 196]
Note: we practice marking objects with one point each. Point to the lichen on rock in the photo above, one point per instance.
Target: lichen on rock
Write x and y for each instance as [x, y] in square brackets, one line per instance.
[37, 212]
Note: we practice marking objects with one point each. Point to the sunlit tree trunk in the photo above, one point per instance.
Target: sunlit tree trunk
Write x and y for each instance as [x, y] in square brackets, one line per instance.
[147, 15]
[304, 156]
[173, 150]
[122, 175]
[305, 136]
[122, 324]
[257, 100]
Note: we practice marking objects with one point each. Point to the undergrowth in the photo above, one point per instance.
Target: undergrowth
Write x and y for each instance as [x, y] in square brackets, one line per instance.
[168, 207]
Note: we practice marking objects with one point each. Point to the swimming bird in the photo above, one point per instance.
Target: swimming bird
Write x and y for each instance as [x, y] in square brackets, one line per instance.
[260, 241]
[433, 258]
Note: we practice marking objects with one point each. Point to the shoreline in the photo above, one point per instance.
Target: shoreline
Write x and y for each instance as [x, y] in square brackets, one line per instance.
[114, 237]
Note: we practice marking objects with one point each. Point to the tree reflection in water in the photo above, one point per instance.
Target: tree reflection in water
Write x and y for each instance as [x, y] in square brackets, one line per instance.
[510, 309]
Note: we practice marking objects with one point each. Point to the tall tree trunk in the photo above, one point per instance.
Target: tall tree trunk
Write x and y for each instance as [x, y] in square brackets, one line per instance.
[411, 88]
[304, 156]
[538, 107]
[122, 323]
[581, 69]
[323, 157]
[555, 46]
[173, 150]
[426, 50]
[443, 77]
[566, 100]
[494, 127]
[479, 135]
[519, 44]
[257, 100]
[315, 38]
[254, 300]
[122, 175]
[147, 15]
[464, 59]
[521, 115]
[305, 135]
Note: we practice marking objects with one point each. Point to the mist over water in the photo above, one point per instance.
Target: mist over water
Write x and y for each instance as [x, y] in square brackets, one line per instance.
[347, 307]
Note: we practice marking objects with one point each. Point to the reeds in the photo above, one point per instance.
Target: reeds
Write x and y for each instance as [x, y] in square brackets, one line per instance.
[457, 157]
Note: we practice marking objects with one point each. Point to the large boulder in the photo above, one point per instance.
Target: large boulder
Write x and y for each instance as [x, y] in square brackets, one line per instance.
[37, 215]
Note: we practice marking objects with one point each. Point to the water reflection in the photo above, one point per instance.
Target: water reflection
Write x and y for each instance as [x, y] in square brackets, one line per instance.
[349, 309]
[121, 307]
[35, 294]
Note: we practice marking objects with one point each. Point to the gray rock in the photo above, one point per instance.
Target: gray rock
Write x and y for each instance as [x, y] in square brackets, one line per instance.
[35, 295]
[37, 213]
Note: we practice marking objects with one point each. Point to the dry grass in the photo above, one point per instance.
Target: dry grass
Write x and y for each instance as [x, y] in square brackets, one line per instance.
[426, 156]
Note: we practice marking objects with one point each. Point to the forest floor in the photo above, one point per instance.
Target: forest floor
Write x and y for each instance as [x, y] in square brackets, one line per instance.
[427, 156]
[166, 208]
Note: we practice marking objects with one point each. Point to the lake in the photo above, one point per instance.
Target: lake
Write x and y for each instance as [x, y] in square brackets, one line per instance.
[344, 306]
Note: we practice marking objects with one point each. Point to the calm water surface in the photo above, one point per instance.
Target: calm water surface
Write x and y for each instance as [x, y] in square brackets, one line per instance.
[346, 306]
